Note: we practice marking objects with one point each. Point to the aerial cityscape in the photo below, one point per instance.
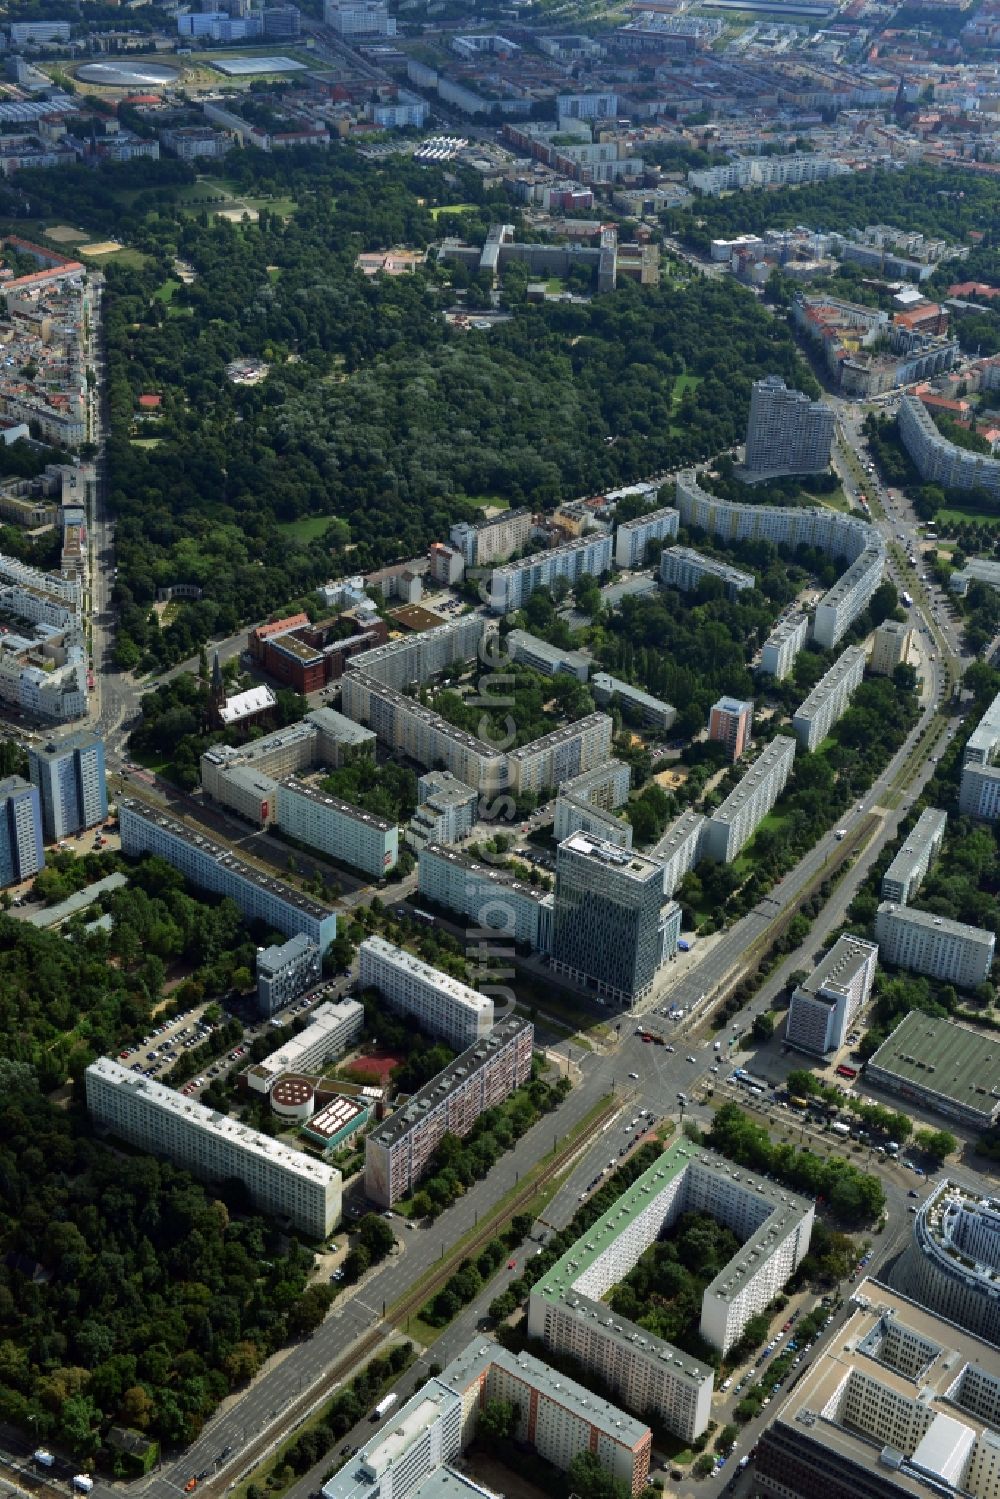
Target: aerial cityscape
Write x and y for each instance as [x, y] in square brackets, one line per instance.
[500, 749]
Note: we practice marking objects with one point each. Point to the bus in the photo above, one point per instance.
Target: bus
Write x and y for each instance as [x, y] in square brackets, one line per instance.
[906, 600]
[848, 1072]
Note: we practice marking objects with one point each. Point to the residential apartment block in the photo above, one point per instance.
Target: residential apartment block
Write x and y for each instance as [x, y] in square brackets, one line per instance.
[532, 651]
[778, 653]
[568, 1312]
[346, 833]
[446, 811]
[942, 1066]
[605, 785]
[217, 867]
[734, 823]
[511, 586]
[413, 730]
[284, 971]
[323, 737]
[633, 536]
[425, 654]
[683, 568]
[788, 525]
[22, 851]
[680, 848]
[766, 171]
[333, 1027]
[574, 815]
[983, 744]
[493, 538]
[824, 1006]
[280, 1181]
[489, 895]
[900, 1404]
[441, 1005]
[786, 432]
[830, 698]
[730, 724]
[890, 647]
[979, 794]
[556, 1416]
[939, 461]
[943, 949]
[606, 924]
[906, 873]
[635, 704]
[398, 1152]
[560, 756]
[70, 776]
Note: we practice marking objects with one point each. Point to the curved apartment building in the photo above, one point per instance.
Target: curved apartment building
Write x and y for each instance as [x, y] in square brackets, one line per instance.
[953, 1264]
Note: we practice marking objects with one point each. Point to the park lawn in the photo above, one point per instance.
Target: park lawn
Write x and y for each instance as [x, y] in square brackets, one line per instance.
[306, 528]
[960, 515]
[166, 292]
[135, 259]
[554, 286]
[452, 208]
[775, 822]
[683, 383]
[837, 500]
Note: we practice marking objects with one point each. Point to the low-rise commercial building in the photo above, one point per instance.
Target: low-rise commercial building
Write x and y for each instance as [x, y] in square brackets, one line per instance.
[734, 823]
[824, 1006]
[217, 867]
[632, 537]
[635, 704]
[943, 949]
[567, 1309]
[900, 1404]
[905, 874]
[440, 1004]
[279, 1180]
[490, 895]
[942, 1066]
[333, 1027]
[346, 833]
[979, 793]
[890, 647]
[684, 569]
[778, 653]
[531, 650]
[830, 698]
[284, 971]
[398, 1152]
[511, 586]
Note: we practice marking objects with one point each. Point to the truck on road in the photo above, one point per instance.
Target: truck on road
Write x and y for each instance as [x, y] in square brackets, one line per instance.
[384, 1406]
[840, 1129]
[83, 1483]
[45, 1459]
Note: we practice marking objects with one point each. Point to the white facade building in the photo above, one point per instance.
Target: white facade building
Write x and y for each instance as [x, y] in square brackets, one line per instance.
[766, 171]
[683, 568]
[952, 1266]
[939, 461]
[346, 833]
[574, 815]
[680, 848]
[425, 654]
[281, 1181]
[733, 824]
[824, 1006]
[511, 586]
[560, 756]
[493, 538]
[446, 811]
[906, 873]
[490, 896]
[333, 1027]
[979, 795]
[943, 949]
[830, 698]
[441, 1005]
[362, 20]
[633, 536]
[422, 735]
[778, 653]
[532, 651]
[650, 711]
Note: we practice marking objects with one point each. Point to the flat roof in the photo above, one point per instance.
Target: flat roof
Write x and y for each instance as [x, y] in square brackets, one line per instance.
[652, 518]
[930, 827]
[943, 1057]
[335, 804]
[831, 680]
[338, 726]
[943, 924]
[835, 971]
[779, 749]
[335, 1116]
[446, 983]
[557, 736]
[621, 860]
[495, 874]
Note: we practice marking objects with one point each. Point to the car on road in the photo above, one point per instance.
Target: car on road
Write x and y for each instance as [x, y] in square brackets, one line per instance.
[512, 1264]
[191, 1485]
[912, 1193]
[633, 1075]
[205, 1473]
[692, 1059]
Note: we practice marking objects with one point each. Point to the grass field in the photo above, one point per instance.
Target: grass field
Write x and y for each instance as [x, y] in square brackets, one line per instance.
[452, 208]
[308, 528]
[837, 500]
[165, 293]
[960, 515]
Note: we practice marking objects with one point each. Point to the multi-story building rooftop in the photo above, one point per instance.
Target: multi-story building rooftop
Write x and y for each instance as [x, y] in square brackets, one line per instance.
[332, 1028]
[605, 930]
[979, 793]
[280, 1181]
[952, 1265]
[730, 826]
[604, 785]
[789, 525]
[511, 586]
[684, 568]
[424, 654]
[633, 536]
[652, 712]
[413, 730]
[830, 698]
[217, 867]
[766, 171]
[942, 1066]
[399, 1151]
[890, 647]
[574, 815]
[532, 651]
[940, 461]
[786, 432]
[730, 723]
[983, 745]
[560, 756]
[490, 895]
[568, 1311]
[899, 1404]
[337, 828]
[69, 774]
[440, 1004]
[284, 971]
[492, 538]
[679, 849]
[22, 851]
[924, 943]
[446, 811]
[923, 843]
[778, 653]
[824, 1005]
